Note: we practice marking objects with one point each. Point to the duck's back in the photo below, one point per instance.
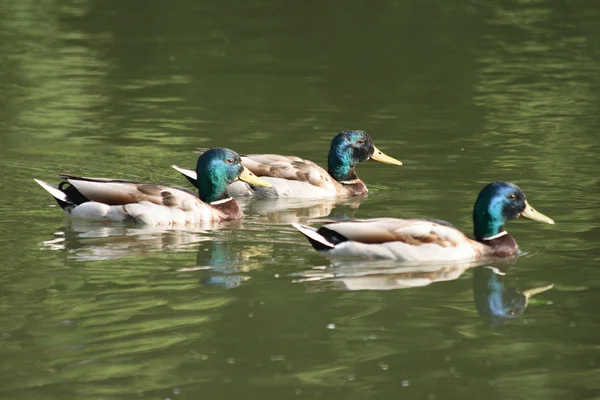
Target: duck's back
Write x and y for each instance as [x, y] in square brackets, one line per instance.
[289, 176]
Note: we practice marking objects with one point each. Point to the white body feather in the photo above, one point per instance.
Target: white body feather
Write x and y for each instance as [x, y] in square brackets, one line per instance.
[398, 239]
[138, 205]
[282, 188]
[404, 252]
[145, 213]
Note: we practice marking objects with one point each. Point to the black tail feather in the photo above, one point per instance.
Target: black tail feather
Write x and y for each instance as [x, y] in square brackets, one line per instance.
[64, 204]
[73, 195]
[193, 181]
[321, 240]
[332, 236]
[318, 246]
[65, 194]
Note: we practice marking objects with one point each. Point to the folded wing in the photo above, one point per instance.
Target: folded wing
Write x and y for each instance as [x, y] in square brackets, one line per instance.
[401, 239]
[121, 192]
[287, 167]
[411, 231]
[121, 200]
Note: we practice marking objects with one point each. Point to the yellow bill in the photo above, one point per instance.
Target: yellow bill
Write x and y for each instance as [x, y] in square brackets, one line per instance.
[531, 213]
[252, 179]
[378, 155]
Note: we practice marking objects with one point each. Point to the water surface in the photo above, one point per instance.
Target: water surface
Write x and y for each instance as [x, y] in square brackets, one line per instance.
[463, 92]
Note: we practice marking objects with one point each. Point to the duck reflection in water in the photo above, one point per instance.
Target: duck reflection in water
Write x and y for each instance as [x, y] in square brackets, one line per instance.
[225, 265]
[219, 261]
[496, 302]
[288, 211]
[381, 274]
[227, 262]
[493, 301]
[84, 240]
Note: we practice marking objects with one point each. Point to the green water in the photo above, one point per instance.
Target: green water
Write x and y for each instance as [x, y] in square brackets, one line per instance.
[463, 92]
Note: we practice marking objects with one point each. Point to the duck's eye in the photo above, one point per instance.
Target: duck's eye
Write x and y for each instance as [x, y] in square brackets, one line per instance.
[361, 141]
[512, 312]
[512, 196]
[230, 160]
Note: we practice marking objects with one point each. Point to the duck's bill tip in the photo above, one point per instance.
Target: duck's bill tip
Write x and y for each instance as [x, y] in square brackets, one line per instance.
[252, 179]
[536, 290]
[535, 215]
[380, 156]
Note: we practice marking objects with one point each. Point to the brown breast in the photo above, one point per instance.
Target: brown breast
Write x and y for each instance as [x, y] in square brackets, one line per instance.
[229, 210]
[504, 246]
[356, 188]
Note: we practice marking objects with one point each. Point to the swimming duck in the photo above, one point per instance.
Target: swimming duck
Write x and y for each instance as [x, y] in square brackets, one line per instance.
[430, 239]
[296, 177]
[147, 203]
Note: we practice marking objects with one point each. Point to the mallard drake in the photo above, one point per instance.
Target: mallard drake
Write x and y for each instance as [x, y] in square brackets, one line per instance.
[430, 239]
[147, 203]
[296, 177]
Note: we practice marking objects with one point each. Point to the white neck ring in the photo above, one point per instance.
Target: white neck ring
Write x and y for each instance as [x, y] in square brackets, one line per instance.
[496, 236]
[217, 202]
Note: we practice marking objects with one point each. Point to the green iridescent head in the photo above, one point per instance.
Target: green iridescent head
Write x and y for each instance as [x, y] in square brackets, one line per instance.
[219, 167]
[497, 203]
[349, 148]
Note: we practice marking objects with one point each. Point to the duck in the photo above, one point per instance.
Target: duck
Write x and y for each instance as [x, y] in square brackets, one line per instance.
[430, 239]
[295, 177]
[118, 200]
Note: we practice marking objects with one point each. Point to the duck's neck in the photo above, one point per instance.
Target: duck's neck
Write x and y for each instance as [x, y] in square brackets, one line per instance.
[209, 194]
[340, 165]
[490, 231]
[212, 186]
[486, 226]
